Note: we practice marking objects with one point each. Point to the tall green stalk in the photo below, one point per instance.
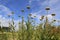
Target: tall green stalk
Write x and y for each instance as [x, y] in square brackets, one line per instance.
[13, 29]
[22, 28]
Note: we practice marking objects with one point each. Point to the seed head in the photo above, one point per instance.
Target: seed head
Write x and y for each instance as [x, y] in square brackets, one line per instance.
[28, 7]
[12, 13]
[54, 20]
[30, 14]
[53, 14]
[47, 8]
[22, 10]
[19, 16]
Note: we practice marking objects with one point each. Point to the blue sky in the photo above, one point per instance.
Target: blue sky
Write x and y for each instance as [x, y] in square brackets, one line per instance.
[15, 5]
[37, 8]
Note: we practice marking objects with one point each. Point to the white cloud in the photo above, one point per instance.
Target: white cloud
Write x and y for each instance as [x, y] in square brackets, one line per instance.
[4, 22]
[30, 1]
[39, 16]
[49, 16]
[4, 10]
[53, 1]
[54, 8]
[50, 2]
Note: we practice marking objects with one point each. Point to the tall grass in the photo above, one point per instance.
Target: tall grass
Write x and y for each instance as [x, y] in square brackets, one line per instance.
[29, 31]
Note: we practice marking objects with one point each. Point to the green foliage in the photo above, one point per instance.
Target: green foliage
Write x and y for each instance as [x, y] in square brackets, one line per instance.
[29, 32]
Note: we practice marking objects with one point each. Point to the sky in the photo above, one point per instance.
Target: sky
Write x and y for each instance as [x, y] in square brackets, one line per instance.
[37, 8]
